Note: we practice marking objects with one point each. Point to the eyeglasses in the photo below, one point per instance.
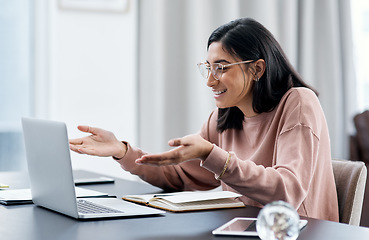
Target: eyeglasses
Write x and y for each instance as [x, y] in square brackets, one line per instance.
[216, 69]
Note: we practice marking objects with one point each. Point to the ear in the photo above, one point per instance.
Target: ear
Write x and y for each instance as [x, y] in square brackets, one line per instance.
[259, 68]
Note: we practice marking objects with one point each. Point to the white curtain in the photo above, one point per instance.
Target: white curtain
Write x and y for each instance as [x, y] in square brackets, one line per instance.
[173, 98]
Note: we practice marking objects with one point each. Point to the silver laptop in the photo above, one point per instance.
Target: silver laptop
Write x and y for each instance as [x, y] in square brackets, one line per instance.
[51, 176]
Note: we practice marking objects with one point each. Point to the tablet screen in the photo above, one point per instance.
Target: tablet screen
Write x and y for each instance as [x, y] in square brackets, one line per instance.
[238, 226]
[243, 227]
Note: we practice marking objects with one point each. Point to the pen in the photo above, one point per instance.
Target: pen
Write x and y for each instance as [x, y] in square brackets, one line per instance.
[163, 195]
[3, 186]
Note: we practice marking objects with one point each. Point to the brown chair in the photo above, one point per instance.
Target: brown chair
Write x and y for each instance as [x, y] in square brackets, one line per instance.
[359, 143]
[350, 178]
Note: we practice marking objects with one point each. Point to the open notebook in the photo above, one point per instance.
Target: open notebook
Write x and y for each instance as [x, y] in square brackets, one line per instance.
[189, 201]
[23, 196]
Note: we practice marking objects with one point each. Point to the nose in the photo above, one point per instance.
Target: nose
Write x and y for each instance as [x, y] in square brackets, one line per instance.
[211, 81]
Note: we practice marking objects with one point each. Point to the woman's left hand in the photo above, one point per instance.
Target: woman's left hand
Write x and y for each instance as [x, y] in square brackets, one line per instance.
[190, 147]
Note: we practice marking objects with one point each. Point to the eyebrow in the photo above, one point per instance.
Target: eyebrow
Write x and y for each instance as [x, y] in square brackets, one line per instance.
[220, 61]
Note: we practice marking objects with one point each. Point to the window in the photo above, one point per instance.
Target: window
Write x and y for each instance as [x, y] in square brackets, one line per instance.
[360, 21]
[15, 78]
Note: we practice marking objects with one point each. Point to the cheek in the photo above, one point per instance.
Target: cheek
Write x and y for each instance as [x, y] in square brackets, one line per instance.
[249, 85]
[245, 85]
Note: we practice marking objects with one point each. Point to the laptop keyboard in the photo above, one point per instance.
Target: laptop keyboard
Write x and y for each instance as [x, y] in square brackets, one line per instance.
[87, 207]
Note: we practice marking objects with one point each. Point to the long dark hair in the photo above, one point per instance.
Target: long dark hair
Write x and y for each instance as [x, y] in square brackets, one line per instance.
[247, 39]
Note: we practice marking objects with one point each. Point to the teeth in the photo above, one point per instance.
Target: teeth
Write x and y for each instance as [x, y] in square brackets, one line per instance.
[219, 92]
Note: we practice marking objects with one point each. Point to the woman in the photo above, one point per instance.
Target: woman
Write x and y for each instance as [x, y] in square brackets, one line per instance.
[267, 140]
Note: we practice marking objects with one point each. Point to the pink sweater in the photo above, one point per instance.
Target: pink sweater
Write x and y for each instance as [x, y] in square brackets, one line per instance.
[279, 155]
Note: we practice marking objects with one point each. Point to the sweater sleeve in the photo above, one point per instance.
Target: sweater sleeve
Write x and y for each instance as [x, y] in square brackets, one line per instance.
[185, 176]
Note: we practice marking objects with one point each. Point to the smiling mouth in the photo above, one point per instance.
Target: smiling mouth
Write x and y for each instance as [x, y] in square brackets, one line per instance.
[220, 92]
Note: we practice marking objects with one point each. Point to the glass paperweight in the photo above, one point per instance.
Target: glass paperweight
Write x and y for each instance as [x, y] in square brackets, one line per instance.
[278, 220]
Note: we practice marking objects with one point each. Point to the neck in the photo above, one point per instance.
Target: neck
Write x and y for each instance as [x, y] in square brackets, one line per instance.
[247, 108]
[249, 112]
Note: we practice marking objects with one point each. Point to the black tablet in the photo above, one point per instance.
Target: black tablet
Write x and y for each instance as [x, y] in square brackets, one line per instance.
[95, 180]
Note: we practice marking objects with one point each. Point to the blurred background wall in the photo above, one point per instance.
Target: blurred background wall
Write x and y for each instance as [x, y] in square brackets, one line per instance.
[129, 66]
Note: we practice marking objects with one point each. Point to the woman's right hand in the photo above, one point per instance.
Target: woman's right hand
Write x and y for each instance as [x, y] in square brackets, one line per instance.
[100, 143]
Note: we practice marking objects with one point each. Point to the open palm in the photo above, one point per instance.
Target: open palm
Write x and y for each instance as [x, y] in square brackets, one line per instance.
[100, 143]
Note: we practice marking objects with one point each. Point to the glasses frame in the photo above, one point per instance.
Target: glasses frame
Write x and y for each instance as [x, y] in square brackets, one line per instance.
[221, 69]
